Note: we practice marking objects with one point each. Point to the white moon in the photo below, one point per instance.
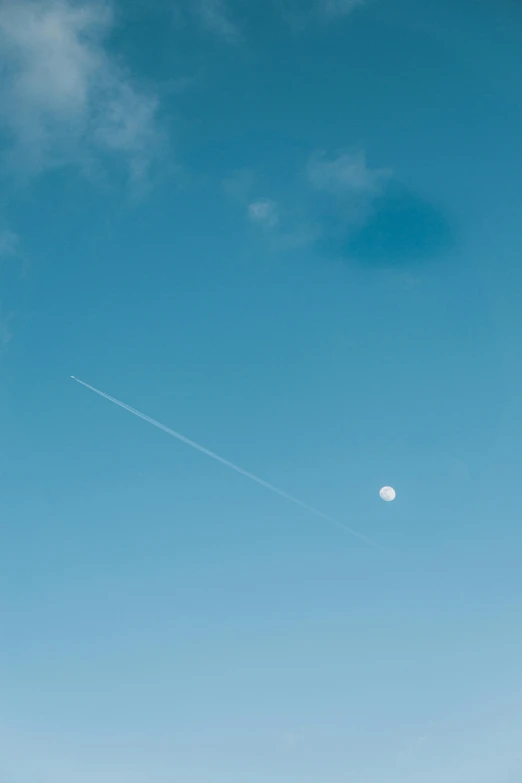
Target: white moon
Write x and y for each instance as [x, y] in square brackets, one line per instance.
[387, 493]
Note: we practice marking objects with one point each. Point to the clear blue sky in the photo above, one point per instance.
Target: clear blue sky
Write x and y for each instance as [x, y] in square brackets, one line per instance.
[291, 231]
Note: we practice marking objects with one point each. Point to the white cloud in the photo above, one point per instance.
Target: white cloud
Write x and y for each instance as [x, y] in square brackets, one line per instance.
[263, 212]
[215, 17]
[337, 196]
[64, 98]
[347, 173]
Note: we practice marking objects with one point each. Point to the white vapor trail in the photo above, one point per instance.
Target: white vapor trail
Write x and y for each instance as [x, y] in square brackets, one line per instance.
[229, 464]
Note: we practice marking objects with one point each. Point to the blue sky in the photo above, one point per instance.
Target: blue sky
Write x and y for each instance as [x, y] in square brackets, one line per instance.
[291, 231]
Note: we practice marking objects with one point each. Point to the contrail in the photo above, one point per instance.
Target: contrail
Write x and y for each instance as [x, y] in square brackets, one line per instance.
[229, 464]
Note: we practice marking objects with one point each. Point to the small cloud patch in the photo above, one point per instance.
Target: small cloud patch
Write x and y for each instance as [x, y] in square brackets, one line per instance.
[264, 212]
[346, 173]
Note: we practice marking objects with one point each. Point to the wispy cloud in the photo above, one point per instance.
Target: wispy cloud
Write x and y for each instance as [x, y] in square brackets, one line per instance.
[288, 226]
[346, 192]
[346, 173]
[300, 14]
[332, 195]
[331, 9]
[263, 212]
[216, 18]
[64, 98]
[287, 229]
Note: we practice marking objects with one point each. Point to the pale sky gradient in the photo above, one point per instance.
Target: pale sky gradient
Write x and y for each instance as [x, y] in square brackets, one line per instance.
[290, 231]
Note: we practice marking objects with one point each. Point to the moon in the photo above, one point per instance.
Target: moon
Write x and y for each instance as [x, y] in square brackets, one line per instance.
[387, 493]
